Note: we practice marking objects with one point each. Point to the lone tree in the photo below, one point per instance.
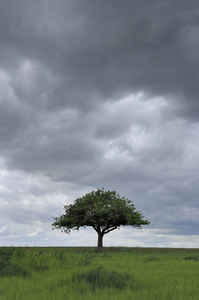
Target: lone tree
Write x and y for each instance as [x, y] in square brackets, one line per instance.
[103, 210]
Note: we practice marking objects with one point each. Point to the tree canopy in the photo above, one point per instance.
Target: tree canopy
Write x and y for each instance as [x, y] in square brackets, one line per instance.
[103, 210]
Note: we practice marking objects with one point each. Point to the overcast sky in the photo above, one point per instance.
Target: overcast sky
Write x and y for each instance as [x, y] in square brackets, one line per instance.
[99, 94]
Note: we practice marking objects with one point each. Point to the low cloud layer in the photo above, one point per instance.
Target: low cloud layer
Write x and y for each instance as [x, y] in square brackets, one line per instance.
[99, 94]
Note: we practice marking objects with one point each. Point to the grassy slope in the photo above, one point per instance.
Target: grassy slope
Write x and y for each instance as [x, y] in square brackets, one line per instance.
[61, 273]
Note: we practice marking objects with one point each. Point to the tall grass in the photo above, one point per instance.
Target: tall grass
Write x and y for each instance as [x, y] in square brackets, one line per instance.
[86, 273]
[103, 278]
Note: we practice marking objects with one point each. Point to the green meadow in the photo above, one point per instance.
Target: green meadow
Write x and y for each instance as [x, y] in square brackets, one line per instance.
[28, 273]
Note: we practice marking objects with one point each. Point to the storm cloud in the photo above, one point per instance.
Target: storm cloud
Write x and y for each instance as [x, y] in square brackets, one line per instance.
[99, 94]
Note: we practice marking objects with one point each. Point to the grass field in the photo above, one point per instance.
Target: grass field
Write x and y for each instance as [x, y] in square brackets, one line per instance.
[87, 273]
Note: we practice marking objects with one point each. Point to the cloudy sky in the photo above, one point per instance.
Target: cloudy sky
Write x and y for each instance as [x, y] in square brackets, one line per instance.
[99, 94]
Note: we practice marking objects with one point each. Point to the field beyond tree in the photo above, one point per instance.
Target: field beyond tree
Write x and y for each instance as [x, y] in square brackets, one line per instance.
[91, 273]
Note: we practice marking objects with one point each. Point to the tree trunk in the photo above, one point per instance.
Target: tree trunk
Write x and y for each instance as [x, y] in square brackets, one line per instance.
[100, 240]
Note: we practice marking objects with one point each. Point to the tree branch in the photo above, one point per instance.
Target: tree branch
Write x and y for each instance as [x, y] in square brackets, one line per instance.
[94, 227]
[111, 229]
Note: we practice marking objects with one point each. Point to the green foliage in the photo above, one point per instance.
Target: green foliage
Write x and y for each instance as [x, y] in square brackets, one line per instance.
[38, 262]
[60, 255]
[103, 278]
[7, 267]
[85, 259]
[6, 254]
[12, 270]
[62, 258]
[103, 210]
[20, 252]
[192, 258]
[151, 258]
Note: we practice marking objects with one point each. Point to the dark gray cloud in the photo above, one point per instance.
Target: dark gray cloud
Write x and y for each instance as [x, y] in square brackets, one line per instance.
[96, 94]
[107, 49]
